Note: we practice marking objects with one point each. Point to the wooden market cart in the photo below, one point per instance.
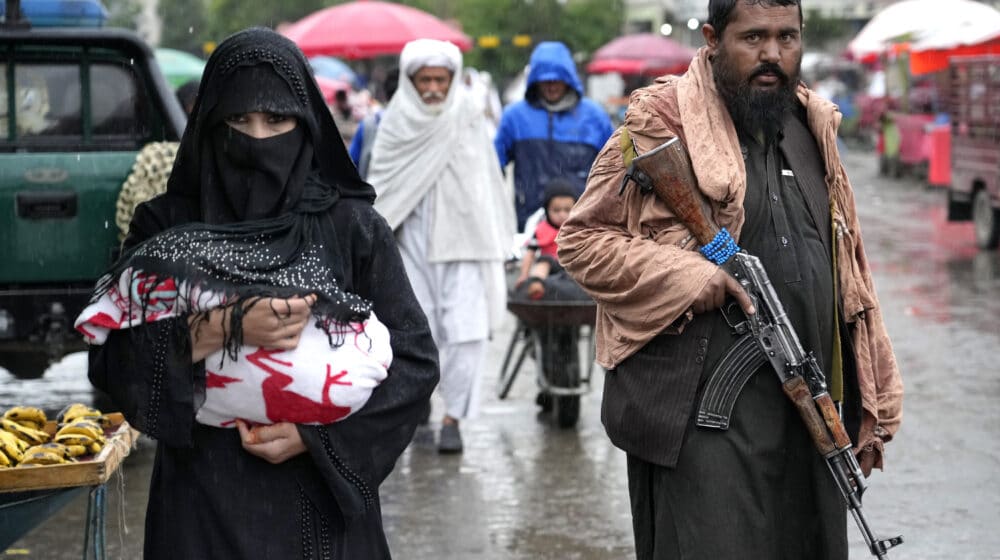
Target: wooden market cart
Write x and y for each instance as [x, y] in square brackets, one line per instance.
[29, 496]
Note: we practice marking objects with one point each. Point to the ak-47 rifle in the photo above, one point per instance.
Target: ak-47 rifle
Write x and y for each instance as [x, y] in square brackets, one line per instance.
[768, 333]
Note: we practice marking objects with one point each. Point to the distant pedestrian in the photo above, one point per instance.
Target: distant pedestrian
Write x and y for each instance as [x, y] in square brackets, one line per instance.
[440, 187]
[364, 137]
[186, 94]
[553, 132]
[343, 116]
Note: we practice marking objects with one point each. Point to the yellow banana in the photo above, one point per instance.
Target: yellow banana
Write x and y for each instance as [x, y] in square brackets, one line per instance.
[75, 439]
[6, 461]
[76, 410]
[57, 448]
[9, 437]
[76, 450]
[30, 435]
[42, 457]
[27, 415]
[95, 447]
[11, 445]
[84, 427]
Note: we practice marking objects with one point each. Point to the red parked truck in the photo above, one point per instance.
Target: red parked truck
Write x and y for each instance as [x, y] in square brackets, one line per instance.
[974, 99]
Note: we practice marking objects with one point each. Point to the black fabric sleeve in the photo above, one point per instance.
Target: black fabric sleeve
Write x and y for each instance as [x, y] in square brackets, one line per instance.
[147, 369]
[148, 374]
[356, 454]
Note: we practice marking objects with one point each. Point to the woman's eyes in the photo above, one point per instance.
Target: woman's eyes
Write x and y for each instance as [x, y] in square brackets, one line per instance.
[244, 118]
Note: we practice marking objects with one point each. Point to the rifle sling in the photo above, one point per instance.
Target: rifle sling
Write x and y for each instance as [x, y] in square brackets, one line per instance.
[726, 382]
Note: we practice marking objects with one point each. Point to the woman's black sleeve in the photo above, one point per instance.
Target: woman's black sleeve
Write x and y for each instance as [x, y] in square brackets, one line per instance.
[147, 369]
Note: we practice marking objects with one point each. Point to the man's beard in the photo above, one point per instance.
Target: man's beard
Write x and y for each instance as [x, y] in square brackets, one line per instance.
[752, 109]
[433, 102]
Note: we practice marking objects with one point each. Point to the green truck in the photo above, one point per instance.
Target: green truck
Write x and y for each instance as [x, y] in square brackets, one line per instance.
[76, 105]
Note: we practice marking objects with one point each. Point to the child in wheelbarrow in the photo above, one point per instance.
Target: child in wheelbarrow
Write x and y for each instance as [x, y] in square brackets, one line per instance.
[541, 276]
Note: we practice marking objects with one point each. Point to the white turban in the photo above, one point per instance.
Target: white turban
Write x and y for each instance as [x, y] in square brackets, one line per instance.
[429, 52]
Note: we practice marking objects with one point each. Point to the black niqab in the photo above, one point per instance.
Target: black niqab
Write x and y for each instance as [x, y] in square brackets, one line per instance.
[247, 214]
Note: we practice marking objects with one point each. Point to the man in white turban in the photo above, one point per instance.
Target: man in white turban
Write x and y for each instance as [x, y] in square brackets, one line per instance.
[440, 187]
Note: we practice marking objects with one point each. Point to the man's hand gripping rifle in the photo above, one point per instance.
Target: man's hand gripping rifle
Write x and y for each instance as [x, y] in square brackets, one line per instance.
[666, 171]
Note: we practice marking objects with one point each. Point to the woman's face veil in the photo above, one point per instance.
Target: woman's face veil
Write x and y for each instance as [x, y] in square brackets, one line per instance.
[233, 177]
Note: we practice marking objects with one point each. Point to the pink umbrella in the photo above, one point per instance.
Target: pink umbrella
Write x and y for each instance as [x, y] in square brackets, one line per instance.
[364, 29]
[646, 54]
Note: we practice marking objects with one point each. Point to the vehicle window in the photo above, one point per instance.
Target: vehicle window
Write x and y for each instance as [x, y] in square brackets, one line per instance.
[49, 101]
[116, 102]
[42, 106]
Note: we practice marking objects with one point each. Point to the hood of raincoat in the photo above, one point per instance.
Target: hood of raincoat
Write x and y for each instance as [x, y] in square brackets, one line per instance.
[551, 60]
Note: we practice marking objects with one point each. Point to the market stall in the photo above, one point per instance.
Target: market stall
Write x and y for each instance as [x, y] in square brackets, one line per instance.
[47, 470]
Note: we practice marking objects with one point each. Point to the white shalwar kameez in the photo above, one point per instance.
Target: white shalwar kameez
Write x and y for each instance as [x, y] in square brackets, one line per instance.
[440, 187]
[453, 296]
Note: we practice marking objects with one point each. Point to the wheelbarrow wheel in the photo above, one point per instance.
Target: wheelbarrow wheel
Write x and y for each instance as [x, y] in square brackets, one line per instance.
[564, 367]
[567, 410]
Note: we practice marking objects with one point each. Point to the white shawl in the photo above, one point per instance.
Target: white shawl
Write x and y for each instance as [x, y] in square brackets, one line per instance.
[444, 151]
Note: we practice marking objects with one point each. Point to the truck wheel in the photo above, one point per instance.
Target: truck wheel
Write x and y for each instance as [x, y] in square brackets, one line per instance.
[958, 211]
[25, 365]
[986, 220]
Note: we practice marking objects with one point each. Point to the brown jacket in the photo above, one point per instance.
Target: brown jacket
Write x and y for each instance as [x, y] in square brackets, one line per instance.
[638, 261]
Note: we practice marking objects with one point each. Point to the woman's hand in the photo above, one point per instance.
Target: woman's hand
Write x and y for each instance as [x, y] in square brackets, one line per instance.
[273, 323]
[276, 323]
[275, 443]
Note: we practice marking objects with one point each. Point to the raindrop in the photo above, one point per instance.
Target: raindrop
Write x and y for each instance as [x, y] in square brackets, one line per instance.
[131, 62]
[105, 224]
[77, 157]
[191, 30]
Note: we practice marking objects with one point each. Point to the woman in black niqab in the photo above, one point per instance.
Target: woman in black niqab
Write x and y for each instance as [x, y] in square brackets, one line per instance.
[253, 219]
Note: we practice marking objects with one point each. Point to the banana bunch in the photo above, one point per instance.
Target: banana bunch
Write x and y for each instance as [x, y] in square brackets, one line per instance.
[21, 428]
[82, 432]
[24, 442]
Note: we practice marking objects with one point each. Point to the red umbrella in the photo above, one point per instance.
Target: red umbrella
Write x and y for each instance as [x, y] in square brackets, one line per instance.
[365, 29]
[646, 54]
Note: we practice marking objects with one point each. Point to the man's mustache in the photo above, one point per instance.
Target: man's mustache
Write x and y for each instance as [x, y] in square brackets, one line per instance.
[769, 68]
[432, 96]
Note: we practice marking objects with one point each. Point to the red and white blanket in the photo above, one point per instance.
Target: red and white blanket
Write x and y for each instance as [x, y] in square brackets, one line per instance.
[313, 384]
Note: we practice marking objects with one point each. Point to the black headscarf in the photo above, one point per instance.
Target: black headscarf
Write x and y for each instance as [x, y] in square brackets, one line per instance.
[251, 223]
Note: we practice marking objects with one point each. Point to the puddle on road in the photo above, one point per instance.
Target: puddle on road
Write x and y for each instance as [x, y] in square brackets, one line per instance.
[63, 383]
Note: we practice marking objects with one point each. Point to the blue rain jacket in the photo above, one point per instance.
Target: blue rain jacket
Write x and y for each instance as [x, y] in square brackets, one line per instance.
[543, 144]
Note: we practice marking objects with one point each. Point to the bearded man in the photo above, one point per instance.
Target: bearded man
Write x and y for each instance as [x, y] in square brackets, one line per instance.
[440, 187]
[763, 149]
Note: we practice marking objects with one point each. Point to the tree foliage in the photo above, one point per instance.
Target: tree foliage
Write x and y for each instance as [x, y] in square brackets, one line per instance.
[184, 26]
[820, 30]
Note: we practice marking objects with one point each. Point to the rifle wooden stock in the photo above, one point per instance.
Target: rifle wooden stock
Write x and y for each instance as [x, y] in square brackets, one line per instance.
[668, 168]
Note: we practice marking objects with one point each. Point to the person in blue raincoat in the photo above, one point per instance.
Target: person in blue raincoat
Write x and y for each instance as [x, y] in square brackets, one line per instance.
[553, 132]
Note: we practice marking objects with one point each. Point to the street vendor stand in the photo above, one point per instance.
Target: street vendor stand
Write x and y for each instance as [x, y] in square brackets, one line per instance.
[30, 495]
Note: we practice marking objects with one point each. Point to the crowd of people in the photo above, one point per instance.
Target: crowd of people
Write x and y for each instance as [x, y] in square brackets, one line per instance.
[287, 219]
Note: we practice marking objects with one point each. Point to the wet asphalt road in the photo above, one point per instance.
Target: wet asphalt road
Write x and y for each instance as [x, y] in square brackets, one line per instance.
[525, 489]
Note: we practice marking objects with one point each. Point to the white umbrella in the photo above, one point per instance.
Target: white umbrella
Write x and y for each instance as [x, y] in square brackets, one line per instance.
[927, 24]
